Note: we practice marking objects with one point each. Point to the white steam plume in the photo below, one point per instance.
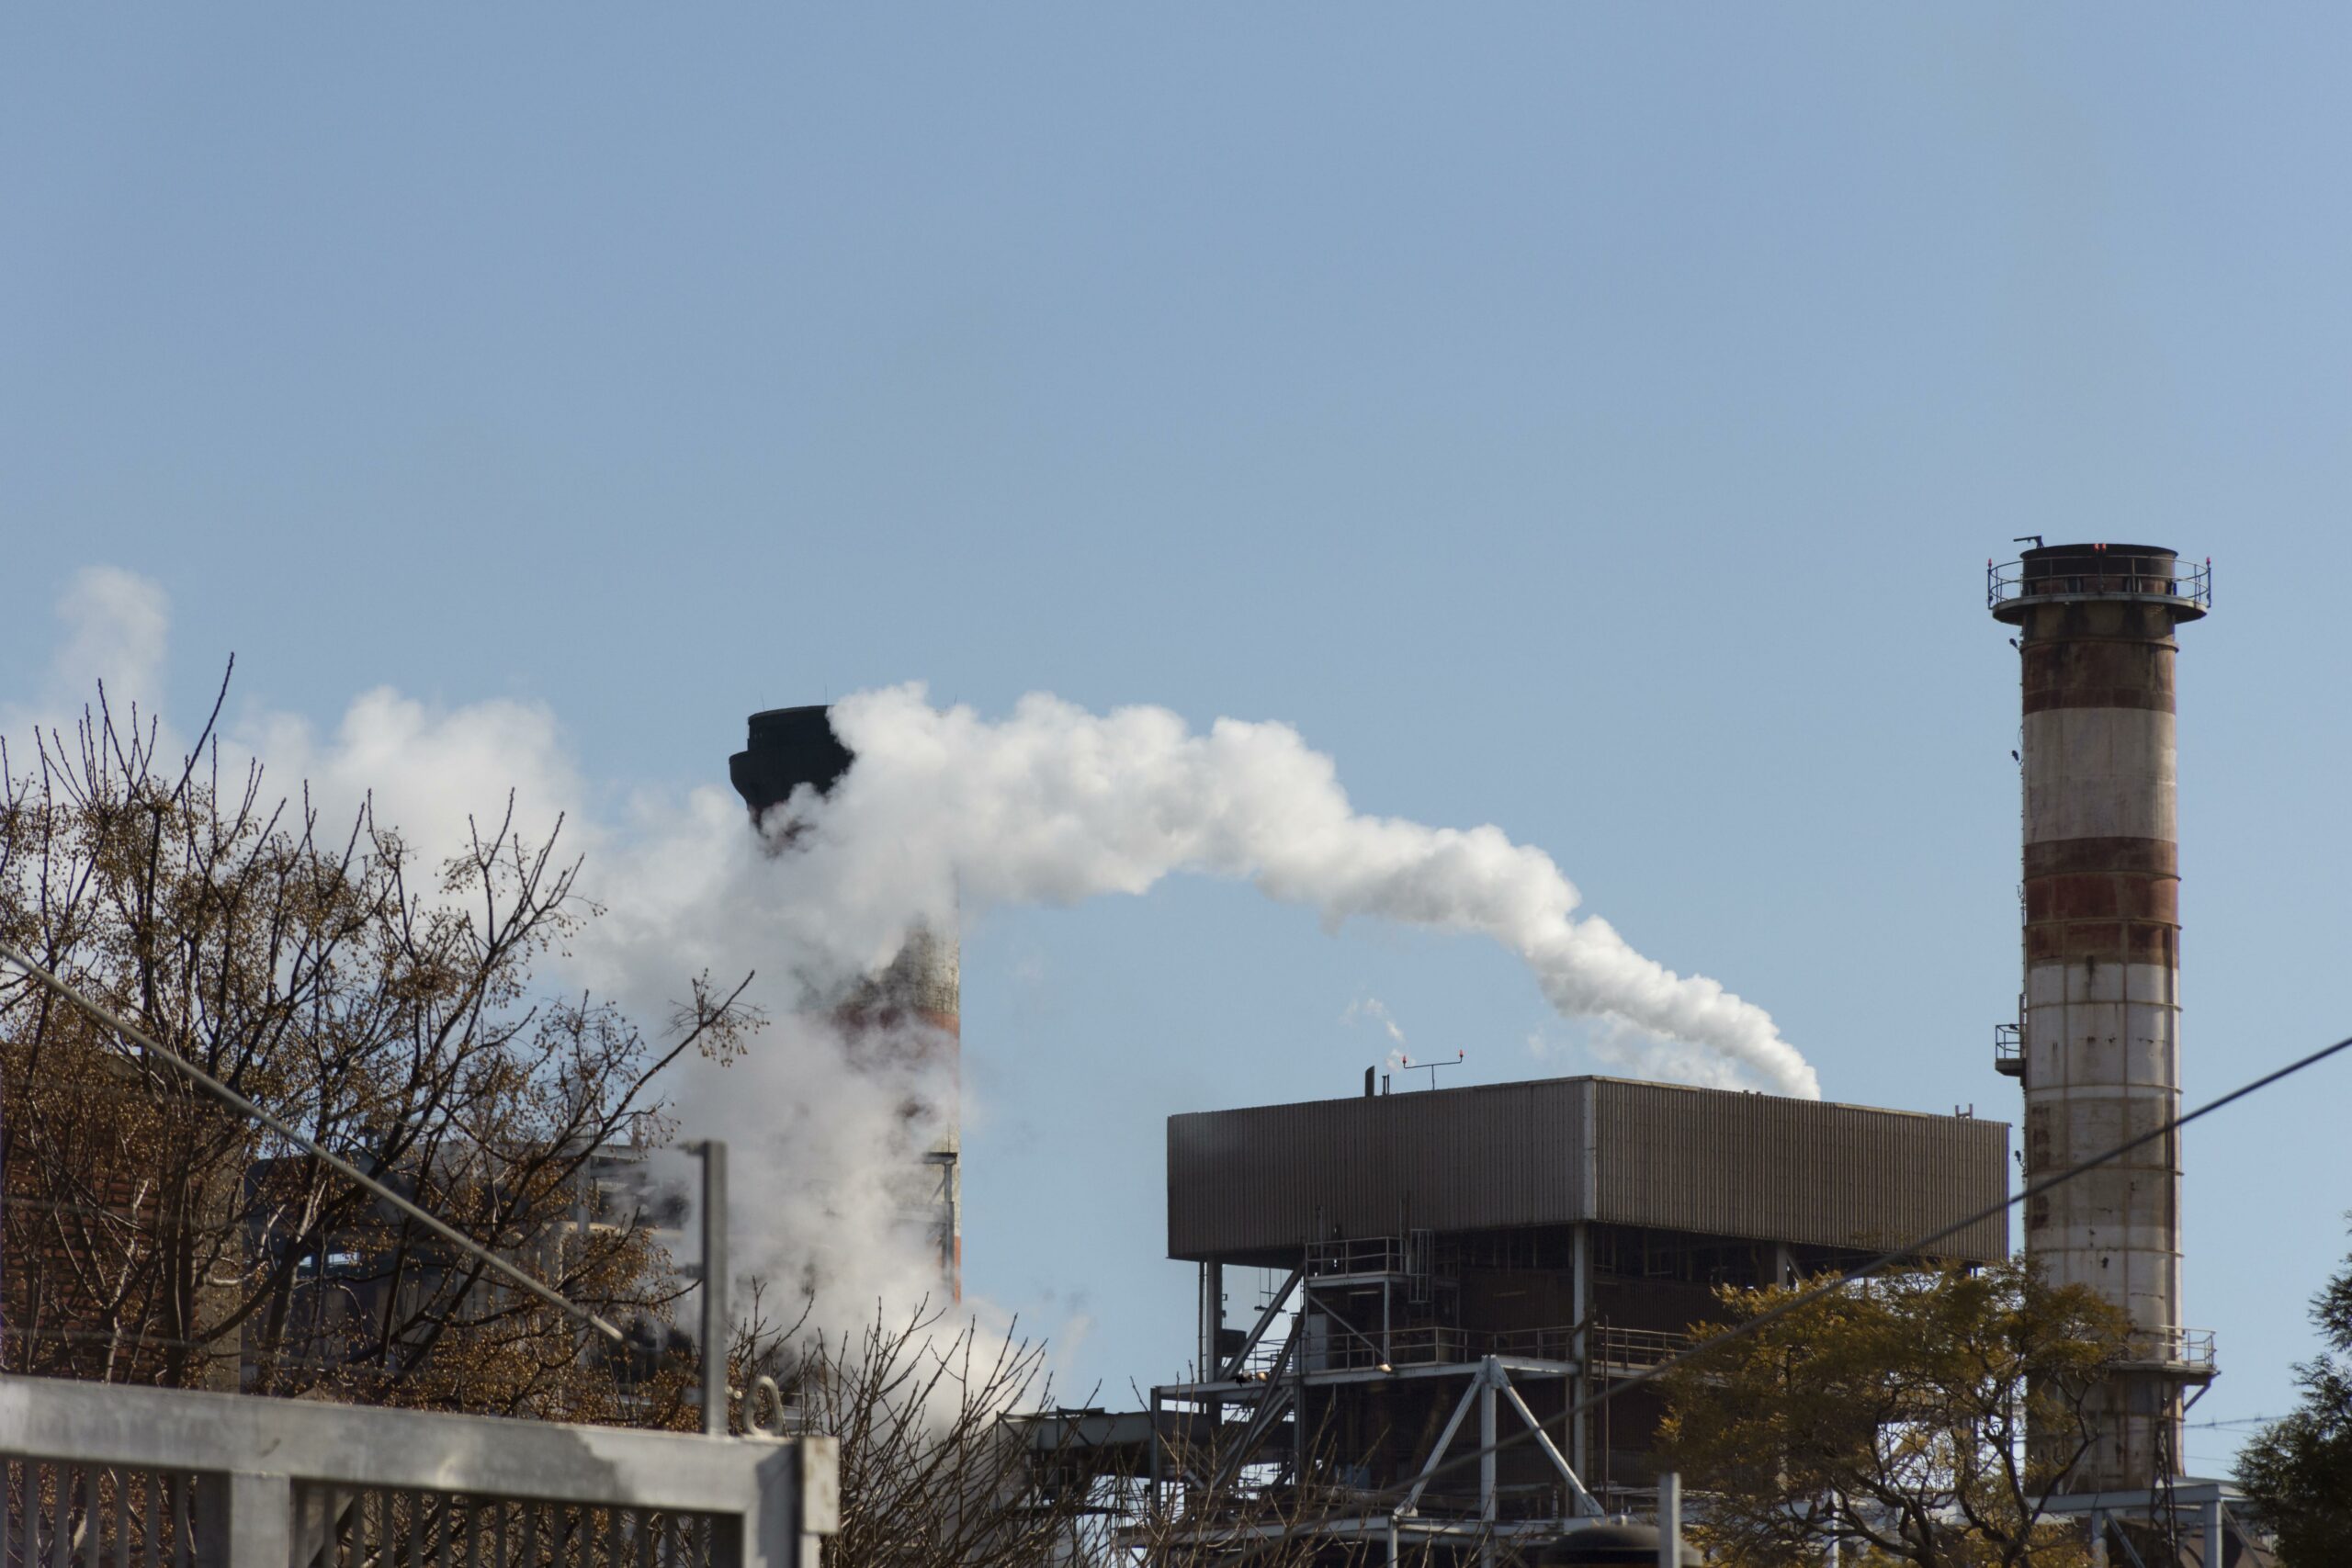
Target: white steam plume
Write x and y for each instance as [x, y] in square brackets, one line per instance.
[1054, 805]
[1377, 1010]
[115, 625]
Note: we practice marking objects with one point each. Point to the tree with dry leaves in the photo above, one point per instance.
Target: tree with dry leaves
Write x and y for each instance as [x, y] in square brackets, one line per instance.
[153, 1236]
[1922, 1417]
[2298, 1470]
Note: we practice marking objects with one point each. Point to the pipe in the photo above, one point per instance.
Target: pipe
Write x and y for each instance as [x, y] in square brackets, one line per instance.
[716, 1330]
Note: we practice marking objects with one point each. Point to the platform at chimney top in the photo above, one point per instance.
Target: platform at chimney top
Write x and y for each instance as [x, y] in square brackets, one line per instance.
[2072, 573]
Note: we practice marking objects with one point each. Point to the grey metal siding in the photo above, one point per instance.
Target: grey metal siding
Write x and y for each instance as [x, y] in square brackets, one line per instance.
[1795, 1171]
[1455, 1160]
[1498, 1155]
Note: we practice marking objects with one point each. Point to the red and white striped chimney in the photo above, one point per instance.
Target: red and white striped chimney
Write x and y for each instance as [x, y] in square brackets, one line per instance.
[2099, 1021]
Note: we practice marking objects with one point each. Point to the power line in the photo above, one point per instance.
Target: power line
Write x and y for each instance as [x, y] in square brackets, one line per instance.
[230, 1098]
[1830, 1287]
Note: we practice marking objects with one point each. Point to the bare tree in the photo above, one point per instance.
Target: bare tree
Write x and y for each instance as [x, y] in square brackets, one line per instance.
[153, 1237]
[954, 1454]
[932, 1470]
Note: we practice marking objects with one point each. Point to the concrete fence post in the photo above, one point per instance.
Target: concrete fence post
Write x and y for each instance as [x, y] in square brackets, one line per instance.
[243, 1520]
[797, 1502]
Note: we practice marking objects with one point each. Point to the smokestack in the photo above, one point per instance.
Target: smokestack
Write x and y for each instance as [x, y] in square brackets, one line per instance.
[914, 998]
[2099, 1019]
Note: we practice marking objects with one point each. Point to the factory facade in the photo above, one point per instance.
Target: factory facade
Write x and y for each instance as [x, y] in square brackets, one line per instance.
[1457, 1264]
[1442, 1268]
[1387, 1285]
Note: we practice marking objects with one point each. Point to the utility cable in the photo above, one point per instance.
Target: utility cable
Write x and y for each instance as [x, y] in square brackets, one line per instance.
[1830, 1287]
[236, 1101]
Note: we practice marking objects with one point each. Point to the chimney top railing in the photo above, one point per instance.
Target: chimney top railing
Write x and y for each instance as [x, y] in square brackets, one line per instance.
[2094, 574]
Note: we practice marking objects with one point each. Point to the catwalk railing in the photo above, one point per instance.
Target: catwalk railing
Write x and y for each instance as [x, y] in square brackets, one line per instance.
[101, 1475]
[1609, 1349]
[2188, 1350]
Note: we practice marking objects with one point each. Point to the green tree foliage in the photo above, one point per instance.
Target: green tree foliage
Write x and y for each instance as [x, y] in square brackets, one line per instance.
[1894, 1416]
[2299, 1471]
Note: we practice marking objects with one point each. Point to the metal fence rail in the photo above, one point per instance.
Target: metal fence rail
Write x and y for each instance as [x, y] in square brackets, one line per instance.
[104, 1476]
[78, 1513]
[336, 1527]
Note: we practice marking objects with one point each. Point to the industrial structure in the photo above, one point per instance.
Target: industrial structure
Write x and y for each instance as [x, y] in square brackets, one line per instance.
[1453, 1265]
[912, 1004]
[1439, 1270]
[2097, 1040]
[1446, 1268]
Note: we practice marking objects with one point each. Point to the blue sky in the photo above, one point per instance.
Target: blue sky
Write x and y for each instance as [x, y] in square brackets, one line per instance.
[1589, 420]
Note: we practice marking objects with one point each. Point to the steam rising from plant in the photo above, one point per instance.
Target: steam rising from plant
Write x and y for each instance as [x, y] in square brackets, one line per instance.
[943, 815]
[1055, 804]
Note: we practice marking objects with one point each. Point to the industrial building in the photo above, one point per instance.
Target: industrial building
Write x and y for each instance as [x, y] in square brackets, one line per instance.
[1442, 1268]
[1391, 1279]
[1451, 1265]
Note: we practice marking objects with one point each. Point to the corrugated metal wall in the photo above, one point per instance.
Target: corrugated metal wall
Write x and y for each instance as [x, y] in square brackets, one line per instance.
[1452, 1159]
[1492, 1157]
[1795, 1171]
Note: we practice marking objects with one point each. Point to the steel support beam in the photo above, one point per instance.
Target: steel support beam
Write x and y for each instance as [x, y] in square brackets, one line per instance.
[1212, 1315]
[1587, 1505]
[1258, 1330]
[1489, 1373]
[1280, 1392]
[1437, 1450]
[1580, 1307]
